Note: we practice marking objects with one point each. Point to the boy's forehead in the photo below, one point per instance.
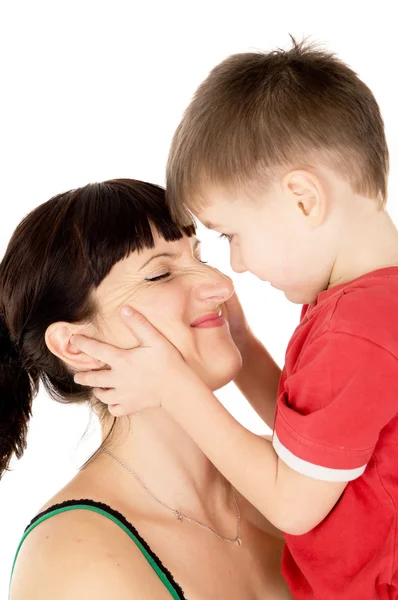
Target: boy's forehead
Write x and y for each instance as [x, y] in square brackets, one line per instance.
[217, 212]
[211, 221]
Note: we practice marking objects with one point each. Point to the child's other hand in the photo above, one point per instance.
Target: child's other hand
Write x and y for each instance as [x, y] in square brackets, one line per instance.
[138, 378]
[238, 325]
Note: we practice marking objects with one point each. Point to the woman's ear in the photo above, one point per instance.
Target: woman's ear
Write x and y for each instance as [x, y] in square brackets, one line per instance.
[57, 339]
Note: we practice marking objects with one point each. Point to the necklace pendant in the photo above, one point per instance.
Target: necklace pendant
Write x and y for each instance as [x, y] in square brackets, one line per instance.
[180, 517]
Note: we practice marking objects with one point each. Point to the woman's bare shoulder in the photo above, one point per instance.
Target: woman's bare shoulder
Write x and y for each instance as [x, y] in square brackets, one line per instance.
[81, 554]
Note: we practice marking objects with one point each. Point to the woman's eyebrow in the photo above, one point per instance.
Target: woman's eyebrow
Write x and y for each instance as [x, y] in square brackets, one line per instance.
[168, 254]
[163, 254]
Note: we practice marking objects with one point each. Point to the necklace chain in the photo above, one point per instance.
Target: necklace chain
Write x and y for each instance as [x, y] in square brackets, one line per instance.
[180, 516]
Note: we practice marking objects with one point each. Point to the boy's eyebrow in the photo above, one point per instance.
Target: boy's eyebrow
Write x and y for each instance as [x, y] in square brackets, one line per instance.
[168, 254]
[210, 225]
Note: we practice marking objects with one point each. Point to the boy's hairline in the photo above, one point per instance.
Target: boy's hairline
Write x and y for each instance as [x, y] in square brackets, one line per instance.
[261, 180]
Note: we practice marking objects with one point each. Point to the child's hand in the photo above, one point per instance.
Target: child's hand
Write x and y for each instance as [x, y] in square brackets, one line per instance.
[138, 378]
[238, 325]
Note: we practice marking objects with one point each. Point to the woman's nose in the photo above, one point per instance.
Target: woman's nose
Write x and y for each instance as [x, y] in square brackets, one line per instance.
[220, 289]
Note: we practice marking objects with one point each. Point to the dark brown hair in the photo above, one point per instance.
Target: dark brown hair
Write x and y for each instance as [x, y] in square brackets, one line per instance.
[56, 257]
[262, 110]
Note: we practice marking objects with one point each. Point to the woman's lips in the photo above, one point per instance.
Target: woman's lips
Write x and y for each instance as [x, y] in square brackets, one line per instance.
[210, 320]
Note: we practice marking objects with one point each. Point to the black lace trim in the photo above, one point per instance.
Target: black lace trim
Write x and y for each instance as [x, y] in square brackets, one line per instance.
[126, 523]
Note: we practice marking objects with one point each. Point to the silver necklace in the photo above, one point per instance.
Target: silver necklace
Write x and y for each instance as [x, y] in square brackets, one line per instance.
[237, 540]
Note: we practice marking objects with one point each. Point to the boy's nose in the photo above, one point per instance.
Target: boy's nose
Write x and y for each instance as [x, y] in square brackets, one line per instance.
[235, 259]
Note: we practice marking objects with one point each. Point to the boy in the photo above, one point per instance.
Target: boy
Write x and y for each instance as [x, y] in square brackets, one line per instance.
[285, 154]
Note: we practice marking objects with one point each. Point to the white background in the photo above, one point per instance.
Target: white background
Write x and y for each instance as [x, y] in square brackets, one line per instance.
[94, 90]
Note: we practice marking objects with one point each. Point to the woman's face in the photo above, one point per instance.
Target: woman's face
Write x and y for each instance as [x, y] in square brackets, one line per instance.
[172, 288]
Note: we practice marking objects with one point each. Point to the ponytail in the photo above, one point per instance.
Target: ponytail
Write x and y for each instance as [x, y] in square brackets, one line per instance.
[17, 390]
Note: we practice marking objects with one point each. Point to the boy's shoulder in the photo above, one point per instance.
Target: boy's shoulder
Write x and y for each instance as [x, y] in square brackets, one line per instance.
[365, 308]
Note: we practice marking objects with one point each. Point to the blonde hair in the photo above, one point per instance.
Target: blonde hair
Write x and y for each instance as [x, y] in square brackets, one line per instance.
[259, 111]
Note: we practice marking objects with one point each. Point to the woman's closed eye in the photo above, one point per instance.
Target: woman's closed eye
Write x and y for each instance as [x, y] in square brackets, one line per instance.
[168, 274]
[158, 277]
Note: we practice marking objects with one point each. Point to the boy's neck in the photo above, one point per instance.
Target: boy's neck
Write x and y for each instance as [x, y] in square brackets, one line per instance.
[369, 242]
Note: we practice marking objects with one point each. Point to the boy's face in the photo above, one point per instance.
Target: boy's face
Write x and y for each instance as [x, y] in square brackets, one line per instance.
[279, 237]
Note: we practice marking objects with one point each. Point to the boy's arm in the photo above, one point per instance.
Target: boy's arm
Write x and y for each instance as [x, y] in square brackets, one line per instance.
[293, 502]
[258, 380]
[259, 377]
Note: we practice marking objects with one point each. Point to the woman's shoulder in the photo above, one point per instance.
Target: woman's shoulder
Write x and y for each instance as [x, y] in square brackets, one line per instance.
[81, 554]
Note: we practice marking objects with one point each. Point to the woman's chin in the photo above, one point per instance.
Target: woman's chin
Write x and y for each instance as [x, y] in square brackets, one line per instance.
[222, 370]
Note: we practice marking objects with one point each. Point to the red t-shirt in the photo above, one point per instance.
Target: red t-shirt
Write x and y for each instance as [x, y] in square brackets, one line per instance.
[337, 420]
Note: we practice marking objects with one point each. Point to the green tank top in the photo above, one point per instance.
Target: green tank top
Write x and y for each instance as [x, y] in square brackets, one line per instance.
[103, 509]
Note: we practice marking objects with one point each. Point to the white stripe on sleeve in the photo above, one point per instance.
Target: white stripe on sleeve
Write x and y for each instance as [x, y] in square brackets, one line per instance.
[311, 470]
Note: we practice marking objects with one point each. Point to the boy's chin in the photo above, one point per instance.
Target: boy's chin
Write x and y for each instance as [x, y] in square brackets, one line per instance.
[300, 296]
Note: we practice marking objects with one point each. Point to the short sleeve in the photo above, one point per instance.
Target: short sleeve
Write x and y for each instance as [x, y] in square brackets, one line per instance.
[332, 408]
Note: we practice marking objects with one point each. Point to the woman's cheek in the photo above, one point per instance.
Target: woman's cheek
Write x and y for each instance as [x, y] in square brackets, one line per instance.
[169, 313]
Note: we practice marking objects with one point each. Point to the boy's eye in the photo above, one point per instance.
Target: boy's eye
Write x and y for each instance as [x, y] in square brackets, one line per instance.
[159, 277]
[225, 236]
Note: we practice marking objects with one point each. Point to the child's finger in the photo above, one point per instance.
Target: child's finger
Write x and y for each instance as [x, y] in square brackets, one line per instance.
[94, 379]
[99, 350]
[116, 410]
[106, 396]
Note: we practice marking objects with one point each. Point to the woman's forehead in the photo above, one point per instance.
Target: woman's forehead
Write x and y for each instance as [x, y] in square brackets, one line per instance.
[161, 246]
[132, 268]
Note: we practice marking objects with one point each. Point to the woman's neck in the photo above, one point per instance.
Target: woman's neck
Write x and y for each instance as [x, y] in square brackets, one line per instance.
[168, 462]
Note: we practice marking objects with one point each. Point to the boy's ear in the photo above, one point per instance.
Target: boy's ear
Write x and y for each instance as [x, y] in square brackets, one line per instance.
[308, 195]
[57, 338]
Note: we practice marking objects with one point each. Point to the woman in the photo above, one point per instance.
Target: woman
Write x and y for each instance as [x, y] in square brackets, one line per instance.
[148, 516]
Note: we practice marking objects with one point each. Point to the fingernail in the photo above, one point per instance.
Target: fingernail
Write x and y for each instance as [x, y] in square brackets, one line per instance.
[127, 311]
